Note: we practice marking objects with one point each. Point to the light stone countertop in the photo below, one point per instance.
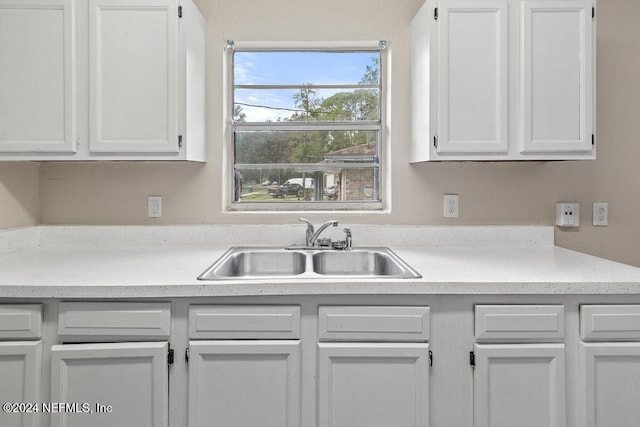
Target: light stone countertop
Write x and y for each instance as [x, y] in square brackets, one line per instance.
[164, 262]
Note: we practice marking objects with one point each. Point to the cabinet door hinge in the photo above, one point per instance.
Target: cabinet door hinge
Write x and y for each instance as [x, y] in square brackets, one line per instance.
[435, 141]
[435, 13]
[593, 12]
[472, 359]
[170, 356]
[593, 139]
[430, 358]
[179, 11]
[186, 355]
[179, 141]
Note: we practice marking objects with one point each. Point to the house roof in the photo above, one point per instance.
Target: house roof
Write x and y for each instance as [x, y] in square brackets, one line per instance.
[357, 153]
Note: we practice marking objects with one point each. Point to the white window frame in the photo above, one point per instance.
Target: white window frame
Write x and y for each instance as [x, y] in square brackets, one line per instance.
[316, 206]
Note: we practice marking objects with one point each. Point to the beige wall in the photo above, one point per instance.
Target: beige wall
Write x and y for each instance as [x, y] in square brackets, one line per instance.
[490, 193]
[19, 194]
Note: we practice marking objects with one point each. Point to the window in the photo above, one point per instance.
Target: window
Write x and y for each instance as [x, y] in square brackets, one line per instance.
[306, 127]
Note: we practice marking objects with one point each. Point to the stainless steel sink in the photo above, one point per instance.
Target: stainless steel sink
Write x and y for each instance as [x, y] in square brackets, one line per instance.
[274, 263]
[256, 262]
[361, 262]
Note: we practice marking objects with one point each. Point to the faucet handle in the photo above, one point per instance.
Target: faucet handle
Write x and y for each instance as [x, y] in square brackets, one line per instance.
[306, 221]
[348, 238]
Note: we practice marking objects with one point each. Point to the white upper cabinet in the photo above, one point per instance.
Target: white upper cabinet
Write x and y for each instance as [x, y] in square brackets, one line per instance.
[133, 55]
[472, 77]
[139, 74]
[557, 76]
[503, 80]
[37, 76]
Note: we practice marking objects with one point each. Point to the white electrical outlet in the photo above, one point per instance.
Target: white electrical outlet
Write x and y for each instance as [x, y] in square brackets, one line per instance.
[155, 206]
[451, 205]
[567, 214]
[600, 214]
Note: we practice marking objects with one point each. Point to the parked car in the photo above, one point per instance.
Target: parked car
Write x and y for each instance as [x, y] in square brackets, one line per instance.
[303, 182]
[286, 189]
[331, 192]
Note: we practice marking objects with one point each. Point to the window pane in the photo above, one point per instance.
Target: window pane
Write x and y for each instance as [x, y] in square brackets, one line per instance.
[263, 105]
[305, 67]
[306, 126]
[280, 185]
[317, 146]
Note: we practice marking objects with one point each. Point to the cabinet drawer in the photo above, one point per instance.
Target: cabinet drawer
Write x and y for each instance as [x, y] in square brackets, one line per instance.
[610, 322]
[373, 323]
[519, 322]
[114, 319]
[20, 321]
[244, 322]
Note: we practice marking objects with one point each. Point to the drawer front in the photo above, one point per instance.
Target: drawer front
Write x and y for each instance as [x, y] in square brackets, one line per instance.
[20, 321]
[610, 322]
[244, 322]
[373, 323]
[519, 322]
[114, 319]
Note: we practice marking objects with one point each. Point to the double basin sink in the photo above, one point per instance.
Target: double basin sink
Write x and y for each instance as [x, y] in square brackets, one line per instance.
[275, 263]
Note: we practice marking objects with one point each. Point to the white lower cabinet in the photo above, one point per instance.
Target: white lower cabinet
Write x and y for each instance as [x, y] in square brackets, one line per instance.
[373, 384]
[244, 383]
[244, 366]
[519, 385]
[536, 361]
[110, 384]
[20, 364]
[20, 378]
[609, 384]
[519, 379]
[380, 381]
[609, 367]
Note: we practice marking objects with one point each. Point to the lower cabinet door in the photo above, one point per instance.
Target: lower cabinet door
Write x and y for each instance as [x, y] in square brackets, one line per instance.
[519, 385]
[373, 384]
[110, 385]
[20, 370]
[244, 383]
[610, 384]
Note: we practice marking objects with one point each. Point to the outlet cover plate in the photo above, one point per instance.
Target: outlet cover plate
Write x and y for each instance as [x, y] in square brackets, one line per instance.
[155, 206]
[567, 214]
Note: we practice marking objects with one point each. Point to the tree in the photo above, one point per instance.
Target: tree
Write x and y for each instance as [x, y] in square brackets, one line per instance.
[308, 101]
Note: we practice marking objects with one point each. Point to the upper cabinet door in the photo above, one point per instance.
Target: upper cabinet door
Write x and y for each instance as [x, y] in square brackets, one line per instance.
[133, 76]
[472, 81]
[557, 76]
[37, 76]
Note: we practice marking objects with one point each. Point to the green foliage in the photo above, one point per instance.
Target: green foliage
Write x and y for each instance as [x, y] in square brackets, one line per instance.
[311, 147]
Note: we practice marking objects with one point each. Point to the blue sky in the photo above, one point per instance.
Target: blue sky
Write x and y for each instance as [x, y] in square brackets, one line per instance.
[277, 68]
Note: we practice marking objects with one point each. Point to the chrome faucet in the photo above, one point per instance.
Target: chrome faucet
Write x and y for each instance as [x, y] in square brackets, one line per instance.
[311, 234]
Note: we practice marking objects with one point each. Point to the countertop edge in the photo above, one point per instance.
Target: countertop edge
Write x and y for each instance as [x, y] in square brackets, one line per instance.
[295, 289]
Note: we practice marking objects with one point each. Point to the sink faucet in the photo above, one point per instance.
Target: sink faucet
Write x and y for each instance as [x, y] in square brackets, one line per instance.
[311, 234]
